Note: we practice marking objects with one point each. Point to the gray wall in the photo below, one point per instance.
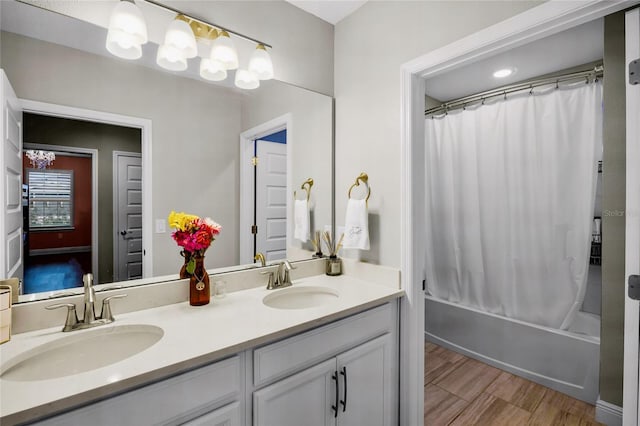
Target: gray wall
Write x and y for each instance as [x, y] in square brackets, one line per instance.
[370, 47]
[103, 137]
[195, 128]
[613, 219]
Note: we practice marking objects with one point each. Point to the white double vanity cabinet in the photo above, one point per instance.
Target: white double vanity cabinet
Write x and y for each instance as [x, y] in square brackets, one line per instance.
[234, 362]
[342, 373]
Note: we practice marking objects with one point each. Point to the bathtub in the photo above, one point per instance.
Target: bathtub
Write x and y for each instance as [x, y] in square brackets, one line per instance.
[564, 360]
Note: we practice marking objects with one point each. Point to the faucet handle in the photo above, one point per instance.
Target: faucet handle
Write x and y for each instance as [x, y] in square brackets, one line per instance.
[272, 279]
[106, 313]
[286, 279]
[72, 316]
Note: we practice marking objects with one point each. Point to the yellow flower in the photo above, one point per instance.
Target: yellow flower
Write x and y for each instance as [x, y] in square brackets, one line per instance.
[181, 221]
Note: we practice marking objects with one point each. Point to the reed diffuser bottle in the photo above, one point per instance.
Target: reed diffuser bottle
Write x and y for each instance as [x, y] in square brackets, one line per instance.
[334, 263]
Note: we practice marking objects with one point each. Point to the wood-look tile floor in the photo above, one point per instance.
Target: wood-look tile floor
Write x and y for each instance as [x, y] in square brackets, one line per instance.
[461, 391]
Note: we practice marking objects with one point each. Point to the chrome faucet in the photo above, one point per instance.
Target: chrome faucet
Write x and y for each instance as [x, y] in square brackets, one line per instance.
[89, 299]
[281, 277]
[89, 318]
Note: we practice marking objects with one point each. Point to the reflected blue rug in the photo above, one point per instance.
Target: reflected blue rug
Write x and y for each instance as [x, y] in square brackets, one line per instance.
[52, 276]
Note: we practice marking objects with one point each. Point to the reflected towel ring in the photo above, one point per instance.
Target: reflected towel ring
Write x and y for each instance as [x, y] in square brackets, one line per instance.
[308, 184]
[364, 178]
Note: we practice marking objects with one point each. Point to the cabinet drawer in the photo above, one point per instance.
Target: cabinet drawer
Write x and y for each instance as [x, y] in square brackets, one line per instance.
[229, 415]
[287, 356]
[164, 402]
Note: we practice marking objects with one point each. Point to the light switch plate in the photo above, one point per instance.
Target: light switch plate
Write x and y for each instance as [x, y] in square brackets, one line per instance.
[161, 226]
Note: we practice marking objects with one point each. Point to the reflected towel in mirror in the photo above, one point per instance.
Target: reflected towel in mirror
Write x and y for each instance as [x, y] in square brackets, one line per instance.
[301, 220]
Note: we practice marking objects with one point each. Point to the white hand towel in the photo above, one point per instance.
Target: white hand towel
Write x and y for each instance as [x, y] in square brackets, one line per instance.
[356, 225]
[301, 220]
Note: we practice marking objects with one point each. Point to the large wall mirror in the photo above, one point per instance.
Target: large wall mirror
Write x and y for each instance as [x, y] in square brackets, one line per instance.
[140, 142]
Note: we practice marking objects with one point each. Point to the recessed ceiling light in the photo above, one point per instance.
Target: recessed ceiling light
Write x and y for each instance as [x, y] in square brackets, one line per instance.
[502, 73]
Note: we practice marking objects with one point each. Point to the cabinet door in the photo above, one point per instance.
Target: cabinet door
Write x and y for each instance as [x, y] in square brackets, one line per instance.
[366, 388]
[229, 415]
[302, 399]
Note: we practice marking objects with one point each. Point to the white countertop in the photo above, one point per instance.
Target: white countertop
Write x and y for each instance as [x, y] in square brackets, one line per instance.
[192, 337]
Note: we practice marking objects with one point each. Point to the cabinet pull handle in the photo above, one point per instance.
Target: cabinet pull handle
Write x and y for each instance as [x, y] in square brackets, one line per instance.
[344, 402]
[334, 376]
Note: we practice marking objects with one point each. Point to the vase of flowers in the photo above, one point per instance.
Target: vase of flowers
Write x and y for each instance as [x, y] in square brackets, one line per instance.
[194, 235]
[183, 270]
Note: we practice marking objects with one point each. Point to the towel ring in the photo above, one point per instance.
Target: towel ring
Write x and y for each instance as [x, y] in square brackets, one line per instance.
[308, 183]
[364, 178]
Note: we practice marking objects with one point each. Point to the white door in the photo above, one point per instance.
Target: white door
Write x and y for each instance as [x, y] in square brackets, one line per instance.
[271, 199]
[632, 233]
[11, 262]
[127, 213]
[365, 384]
[302, 399]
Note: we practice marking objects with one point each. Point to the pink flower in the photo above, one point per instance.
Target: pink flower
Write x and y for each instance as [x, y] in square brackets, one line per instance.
[197, 234]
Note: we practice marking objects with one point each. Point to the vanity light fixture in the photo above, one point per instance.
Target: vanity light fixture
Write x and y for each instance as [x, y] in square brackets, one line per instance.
[212, 70]
[504, 72]
[179, 44]
[127, 31]
[260, 63]
[224, 51]
[245, 79]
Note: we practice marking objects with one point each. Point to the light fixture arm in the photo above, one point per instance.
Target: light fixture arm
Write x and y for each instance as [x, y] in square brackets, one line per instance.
[203, 22]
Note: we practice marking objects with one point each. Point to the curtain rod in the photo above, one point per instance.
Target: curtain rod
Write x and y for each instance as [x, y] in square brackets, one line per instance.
[596, 72]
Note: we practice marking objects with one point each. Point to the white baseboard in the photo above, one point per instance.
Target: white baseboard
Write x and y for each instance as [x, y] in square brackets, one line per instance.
[609, 414]
[59, 250]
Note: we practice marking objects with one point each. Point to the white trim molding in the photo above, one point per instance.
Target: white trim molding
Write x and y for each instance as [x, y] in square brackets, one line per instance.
[632, 225]
[145, 127]
[609, 414]
[95, 255]
[544, 20]
[246, 179]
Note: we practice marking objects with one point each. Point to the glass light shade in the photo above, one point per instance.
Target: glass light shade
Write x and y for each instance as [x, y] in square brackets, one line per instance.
[180, 36]
[123, 45]
[260, 64]
[127, 31]
[171, 59]
[212, 70]
[224, 51]
[246, 80]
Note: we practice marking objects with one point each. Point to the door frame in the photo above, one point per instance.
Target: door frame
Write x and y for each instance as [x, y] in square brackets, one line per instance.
[538, 22]
[94, 191]
[632, 224]
[114, 203]
[145, 125]
[246, 178]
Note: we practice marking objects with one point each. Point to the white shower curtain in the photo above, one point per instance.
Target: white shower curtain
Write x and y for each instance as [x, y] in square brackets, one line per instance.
[510, 188]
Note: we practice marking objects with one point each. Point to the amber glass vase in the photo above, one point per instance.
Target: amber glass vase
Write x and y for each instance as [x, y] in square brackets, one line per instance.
[199, 289]
[183, 270]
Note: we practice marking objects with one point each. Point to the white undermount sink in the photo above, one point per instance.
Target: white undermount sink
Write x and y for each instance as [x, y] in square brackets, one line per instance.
[78, 353]
[300, 297]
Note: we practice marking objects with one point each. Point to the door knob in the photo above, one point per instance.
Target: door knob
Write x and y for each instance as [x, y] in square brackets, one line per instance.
[123, 232]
